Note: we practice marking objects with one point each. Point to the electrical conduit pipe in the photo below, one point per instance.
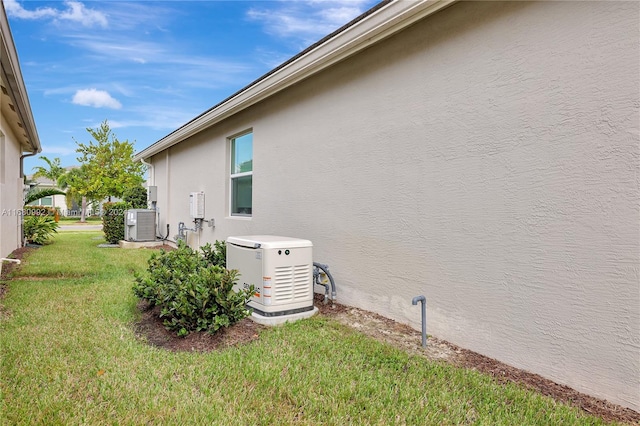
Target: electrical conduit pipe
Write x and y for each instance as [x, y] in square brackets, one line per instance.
[424, 317]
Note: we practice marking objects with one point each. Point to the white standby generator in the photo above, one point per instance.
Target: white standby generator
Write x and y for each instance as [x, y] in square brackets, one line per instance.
[281, 271]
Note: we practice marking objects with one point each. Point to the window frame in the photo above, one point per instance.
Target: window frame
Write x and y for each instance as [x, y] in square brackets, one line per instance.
[48, 197]
[234, 176]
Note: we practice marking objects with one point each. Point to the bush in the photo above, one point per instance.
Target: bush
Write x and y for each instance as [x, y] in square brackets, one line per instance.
[42, 211]
[136, 196]
[193, 293]
[216, 255]
[38, 229]
[113, 220]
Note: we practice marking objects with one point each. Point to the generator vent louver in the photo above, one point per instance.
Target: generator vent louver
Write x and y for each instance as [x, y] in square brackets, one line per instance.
[291, 282]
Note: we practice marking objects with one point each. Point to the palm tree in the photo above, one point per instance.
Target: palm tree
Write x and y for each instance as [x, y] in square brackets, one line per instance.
[53, 172]
[74, 181]
[34, 194]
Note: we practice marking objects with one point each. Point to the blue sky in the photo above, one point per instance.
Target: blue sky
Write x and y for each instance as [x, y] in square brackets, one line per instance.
[150, 66]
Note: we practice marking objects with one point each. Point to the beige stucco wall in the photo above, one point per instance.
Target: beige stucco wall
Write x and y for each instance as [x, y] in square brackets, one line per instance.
[487, 158]
[10, 191]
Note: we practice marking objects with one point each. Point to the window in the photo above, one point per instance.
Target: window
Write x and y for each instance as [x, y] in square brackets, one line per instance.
[46, 201]
[241, 174]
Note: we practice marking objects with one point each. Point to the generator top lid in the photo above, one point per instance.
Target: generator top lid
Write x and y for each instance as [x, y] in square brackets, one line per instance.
[268, 242]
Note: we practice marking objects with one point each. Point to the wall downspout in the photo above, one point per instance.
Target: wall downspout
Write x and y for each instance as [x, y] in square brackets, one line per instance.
[152, 172]
[22, 157]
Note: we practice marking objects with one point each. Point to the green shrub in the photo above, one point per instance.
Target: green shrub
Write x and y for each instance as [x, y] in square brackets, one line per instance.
[216, 255]
[136, 196]
[192, 292]
[38, 229]
[113, 220]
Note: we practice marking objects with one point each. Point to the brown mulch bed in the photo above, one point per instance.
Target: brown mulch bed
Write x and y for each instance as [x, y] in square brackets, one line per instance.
[150, 327]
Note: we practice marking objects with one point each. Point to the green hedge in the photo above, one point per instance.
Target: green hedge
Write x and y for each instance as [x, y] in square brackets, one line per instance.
[113, 220]
[136, 196]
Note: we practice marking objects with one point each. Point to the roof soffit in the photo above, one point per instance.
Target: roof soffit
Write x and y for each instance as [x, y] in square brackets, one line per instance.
[15, 102]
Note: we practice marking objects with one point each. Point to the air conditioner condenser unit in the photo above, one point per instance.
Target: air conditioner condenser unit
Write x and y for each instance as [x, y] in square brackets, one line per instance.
[281, 271]
[140, 225]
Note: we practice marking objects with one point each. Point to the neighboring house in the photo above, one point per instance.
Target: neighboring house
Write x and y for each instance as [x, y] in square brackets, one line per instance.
[483, 154]
[18, 138]
[58, 201]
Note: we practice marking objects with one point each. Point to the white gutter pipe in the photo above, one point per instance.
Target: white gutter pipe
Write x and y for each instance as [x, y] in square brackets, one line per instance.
[152, 174]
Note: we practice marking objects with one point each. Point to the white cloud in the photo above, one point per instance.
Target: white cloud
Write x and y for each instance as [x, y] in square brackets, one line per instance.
[95, 98]
[307, 20]
[59, 150]
[14, 9]
[75, 12]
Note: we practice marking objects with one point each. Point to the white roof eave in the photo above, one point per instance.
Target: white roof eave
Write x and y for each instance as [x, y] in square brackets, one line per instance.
[375, 27]
[11, 71]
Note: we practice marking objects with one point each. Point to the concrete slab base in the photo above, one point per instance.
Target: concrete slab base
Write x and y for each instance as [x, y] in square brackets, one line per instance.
[260, 319]
[139, 244]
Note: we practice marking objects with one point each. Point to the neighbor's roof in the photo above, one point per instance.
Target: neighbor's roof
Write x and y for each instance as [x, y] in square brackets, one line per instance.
[381, 21]
[15, 102]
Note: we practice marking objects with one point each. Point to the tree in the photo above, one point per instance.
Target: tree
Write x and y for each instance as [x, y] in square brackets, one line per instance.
[35, 194]
[75, 181]
[53, 172]
[136, 196]
[108, 164]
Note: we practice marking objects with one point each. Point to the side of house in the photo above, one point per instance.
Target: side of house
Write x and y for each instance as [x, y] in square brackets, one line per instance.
[18, 137]
[485, 156]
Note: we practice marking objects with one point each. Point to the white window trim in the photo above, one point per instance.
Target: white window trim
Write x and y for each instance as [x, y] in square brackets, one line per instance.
[233, 176]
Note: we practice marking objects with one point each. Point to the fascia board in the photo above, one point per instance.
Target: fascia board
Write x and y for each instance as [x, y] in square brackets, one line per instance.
[11, 69]
[379, 25]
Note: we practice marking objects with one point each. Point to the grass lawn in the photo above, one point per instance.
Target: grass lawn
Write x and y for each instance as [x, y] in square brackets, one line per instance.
[69, 356]
[74, 219]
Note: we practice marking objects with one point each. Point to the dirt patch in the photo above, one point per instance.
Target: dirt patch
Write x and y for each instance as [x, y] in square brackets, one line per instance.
[7, 269]
[165, 247]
